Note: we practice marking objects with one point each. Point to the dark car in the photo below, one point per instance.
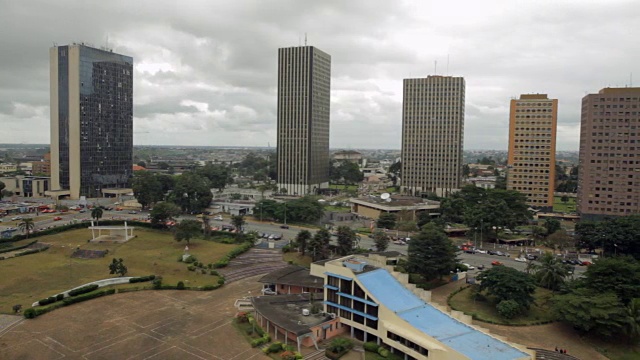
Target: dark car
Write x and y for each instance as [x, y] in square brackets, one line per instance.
[284, 226]
[532, 257]
[492, 252]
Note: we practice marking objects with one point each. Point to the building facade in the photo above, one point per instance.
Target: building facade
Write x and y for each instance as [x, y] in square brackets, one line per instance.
[304, 85]
[432, 135]
[91, 120]
[532, 148]
[609, 175]
[42, 167]
[26, 186]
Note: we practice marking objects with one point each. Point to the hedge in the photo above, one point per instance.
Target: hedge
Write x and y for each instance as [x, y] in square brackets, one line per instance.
[32, 251]
[142, 279]
[371, 347]
[232, 254]
[83, 290]
[34, 312]
[18, 247]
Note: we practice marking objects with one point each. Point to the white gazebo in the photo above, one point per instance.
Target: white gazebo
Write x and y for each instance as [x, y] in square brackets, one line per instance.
[118, 234]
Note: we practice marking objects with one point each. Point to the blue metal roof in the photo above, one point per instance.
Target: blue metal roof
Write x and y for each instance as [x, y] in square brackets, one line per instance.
[464, 339]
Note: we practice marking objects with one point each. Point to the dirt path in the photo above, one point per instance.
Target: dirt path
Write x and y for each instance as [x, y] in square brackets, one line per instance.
[542, 336]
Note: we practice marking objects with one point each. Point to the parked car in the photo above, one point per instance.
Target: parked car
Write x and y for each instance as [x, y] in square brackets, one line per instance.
[267, 291]
[520, 259]
[492, 252]
[496, 263]
[217, 218]
[284, 226]
[16, 218]
[481, 251]
[470, 267]
[532, 257]
[480, 267]
[133, 212]
[57, 218]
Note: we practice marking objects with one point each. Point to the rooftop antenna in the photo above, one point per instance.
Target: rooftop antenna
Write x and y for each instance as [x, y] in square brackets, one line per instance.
[435, 67]
[299, 41]
[305, 39]
[631, 79]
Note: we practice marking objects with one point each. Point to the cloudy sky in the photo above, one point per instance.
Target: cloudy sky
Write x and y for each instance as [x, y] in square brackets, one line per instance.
[205, 71]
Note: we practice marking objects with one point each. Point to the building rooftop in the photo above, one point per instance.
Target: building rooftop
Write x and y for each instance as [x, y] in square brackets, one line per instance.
[293, 275]
[395, 202]
[286, 311]
[473, 343]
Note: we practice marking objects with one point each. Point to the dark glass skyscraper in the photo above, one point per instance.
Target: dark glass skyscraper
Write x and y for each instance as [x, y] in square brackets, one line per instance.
[91, 120]
[304, 91]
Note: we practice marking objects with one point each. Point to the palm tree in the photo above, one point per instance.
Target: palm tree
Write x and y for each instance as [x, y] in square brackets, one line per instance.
[551, 273]
[96, 213]
[26, 226]
[632, 323]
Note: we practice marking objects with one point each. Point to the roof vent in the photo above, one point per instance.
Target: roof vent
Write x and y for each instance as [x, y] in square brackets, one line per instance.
[305, 312]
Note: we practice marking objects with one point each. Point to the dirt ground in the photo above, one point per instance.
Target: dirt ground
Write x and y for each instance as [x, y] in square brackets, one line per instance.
[180, 325]
[546, 336]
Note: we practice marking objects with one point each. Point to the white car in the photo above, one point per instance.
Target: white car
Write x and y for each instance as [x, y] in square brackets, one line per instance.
[480, 251]
[520, 259]
[16, 218]
[469, 267]
[267, 291]
[218, 218]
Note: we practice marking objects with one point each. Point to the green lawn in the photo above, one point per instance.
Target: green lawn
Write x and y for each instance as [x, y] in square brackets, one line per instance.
[486, 310]
[29, 278]
[343, 187]
[559, 206]
[339, 209]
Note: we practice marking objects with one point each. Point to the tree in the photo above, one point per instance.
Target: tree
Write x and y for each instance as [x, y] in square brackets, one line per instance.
[386, 220]
[395, 172]
[117, 267]
[163, 211]
[501, 182]
[431, 253]
[147, 188]
[508, 309]
[619, 275]
[192, 192]
[632, 320]
[506, 283]
[96, 213]
[560, 240]
[588, 235]
[186, 230]
[2, 187]
[422, 218]
[380, 240]
[302, 239]
[318, 246]
[142, 163]
[219, 175]
[346, 238]
[552, 225]
[551, 272]
[238, 222]
[589, 311]
[26, 226]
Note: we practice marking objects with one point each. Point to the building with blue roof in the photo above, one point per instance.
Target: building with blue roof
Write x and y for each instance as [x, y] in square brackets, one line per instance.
[372, 305]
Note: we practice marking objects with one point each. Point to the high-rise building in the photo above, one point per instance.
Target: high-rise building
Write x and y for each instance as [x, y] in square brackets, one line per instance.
[91, 120]
[432, 135]
[304, 89]
[532, 148]
[609, 173]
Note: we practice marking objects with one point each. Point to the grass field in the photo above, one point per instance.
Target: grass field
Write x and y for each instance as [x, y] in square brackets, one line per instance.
[486, 310]
[343, 187]
[297, 259]
[27, 279]
[559, 206]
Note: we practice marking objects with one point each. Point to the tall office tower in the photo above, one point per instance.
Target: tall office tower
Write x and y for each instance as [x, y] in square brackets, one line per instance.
[432, 135]
[609, 174]
[304, 87]
[91, 120]
[532, 149]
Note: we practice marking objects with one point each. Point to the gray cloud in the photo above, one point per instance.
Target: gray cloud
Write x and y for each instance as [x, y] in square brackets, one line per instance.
[205, 73]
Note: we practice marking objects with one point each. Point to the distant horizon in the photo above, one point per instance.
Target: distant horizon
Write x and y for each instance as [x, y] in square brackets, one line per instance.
[258, 147]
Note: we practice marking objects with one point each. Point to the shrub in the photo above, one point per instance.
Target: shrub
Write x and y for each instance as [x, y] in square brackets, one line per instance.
[286, 249]
[213, 272]
[508, 309]
[191, 268]
[383, 352]
[30, 313]
[157, 283]
[275, 347]
[59, 297]
[221, 281]
[340, 345]
[142, 279]
[288, 355]
[190, 259]
[47, 301]
[85, 297]
[210, 265]
[83, 290]
[180, 285]
[371, 347]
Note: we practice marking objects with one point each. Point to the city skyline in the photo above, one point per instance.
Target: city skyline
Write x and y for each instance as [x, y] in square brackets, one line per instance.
[207, 73]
